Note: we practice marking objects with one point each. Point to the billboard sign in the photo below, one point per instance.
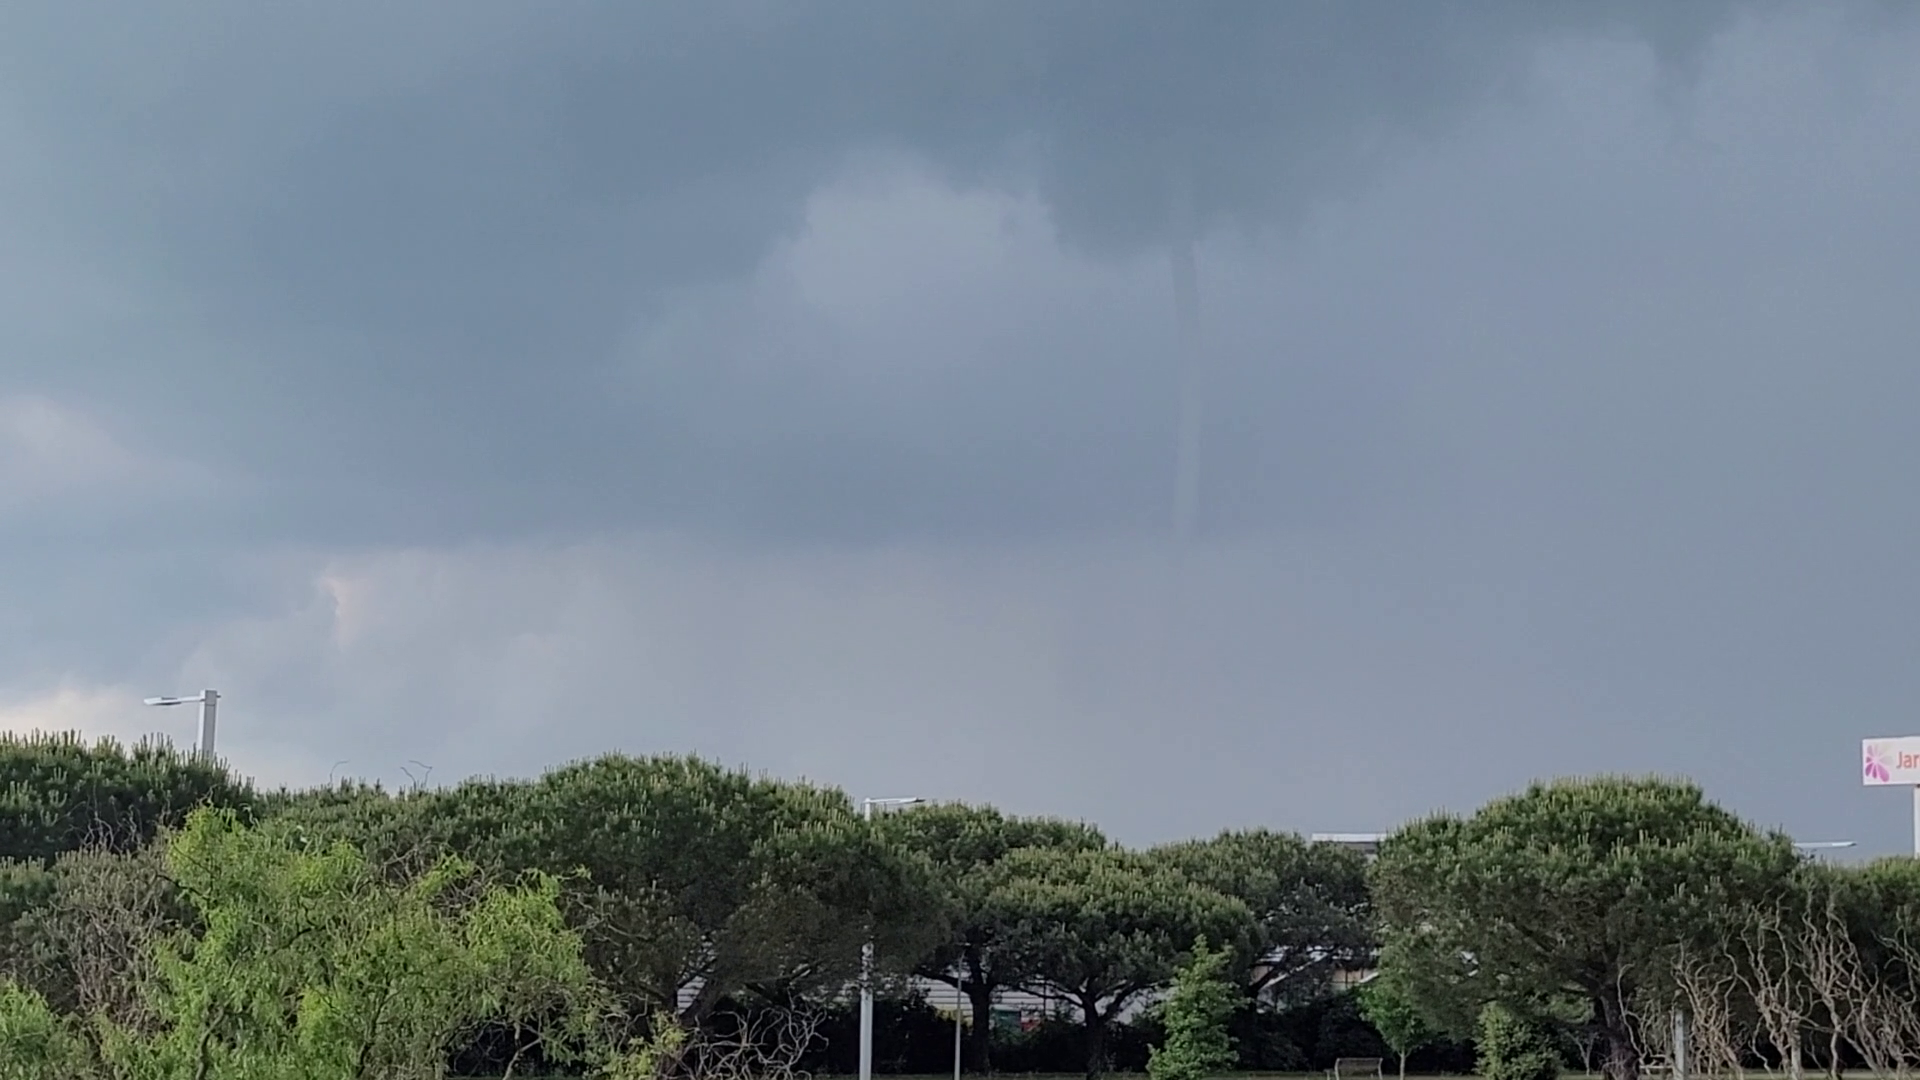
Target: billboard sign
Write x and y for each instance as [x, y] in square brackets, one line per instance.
[1890, 761]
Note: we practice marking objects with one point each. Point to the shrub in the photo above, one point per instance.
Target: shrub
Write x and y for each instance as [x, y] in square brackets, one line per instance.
[1513, 1048]
[1196, 1017]
[35, 1043]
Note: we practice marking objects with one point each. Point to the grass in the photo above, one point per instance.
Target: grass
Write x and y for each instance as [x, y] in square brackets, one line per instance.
[1391, 1075]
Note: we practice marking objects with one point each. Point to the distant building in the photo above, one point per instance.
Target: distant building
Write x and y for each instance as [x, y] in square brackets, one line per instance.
[1366, 843]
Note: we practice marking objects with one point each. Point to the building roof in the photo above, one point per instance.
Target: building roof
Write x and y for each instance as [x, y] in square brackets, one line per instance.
[1365, 842]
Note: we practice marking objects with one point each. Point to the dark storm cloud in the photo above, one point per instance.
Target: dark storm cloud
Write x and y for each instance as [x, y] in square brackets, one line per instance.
[795, 385]
[402, 246]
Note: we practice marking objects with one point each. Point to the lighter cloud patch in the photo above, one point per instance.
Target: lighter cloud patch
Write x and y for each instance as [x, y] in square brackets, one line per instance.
[888, 236]
[93, 711]
[895, 273]
[349, 608]
[51, 451]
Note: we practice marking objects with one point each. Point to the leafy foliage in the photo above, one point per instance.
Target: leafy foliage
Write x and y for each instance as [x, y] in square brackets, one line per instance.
[1514, 1048]
[92, 942]
[1102, 927]
[59, 794]
[523, 922]
[310, 966]
[1196, 1015]
[966, 845]
[26, 888]
[689, 883]
[1392, 1012]
[36, 1043]
[1312, 913]
[1577, 889]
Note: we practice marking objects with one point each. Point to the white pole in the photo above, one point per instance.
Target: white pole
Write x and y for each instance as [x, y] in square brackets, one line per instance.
[866, 957]
[1916, 819]
[209, 703]
[866, 984]
[959, 1010]
[1679, 1045]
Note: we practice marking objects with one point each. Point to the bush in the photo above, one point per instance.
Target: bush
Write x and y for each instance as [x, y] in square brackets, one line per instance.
[35, 1043]
[1197, 1045]
[59, 794]
[1266, 1040]
[1342, 1031]
[1513, 1048]
[1059, 1045]
[910, 1037]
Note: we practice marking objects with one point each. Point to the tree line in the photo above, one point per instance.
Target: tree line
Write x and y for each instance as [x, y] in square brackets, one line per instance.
[661, 916]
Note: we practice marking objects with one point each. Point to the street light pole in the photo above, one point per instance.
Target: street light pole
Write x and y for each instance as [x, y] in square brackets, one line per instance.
[959, 1011]
[866, 957]
[209, 702]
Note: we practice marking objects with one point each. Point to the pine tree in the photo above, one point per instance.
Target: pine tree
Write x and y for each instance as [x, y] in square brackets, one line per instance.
[1203, 1000]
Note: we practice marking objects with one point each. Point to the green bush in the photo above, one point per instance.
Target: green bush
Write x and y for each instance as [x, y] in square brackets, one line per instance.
[1196, 1015]
[35, 1043]
[59, 793]
[1513, 1048]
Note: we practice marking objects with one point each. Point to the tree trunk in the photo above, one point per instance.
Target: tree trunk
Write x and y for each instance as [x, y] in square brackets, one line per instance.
[980, 1039]
[1623, 1057]
[1403, 1067]
[1096, 1026]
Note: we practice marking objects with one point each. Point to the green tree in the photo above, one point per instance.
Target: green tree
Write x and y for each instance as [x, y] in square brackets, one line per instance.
[1513, 1047]
[1103, 927]
[690, 883]
[310, 966]
[1392, 1012]
[1584, 889]
[1196, 1013]
[1311, 909]
[92, 937]
[965, 845]
[59, 793]
[25, 889]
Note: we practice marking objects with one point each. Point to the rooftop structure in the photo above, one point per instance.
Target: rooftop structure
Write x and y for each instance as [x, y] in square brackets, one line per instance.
[1366, 843]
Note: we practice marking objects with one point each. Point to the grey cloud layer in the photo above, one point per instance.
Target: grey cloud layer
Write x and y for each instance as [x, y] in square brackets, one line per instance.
[795, 385]
[381, 242]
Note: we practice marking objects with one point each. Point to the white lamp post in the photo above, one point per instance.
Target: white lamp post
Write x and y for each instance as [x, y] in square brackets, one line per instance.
[959, 1013]
[866, 956]
[209, 702]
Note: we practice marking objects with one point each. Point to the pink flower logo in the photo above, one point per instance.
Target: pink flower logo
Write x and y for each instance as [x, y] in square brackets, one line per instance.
[1876, 768]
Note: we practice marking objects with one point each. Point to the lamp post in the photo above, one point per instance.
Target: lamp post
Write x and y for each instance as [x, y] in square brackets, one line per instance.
[867, 807]
[959, 1013]
[209, 702]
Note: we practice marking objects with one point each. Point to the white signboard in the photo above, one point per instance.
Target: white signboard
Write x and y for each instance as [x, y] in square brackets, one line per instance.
[1890, 761]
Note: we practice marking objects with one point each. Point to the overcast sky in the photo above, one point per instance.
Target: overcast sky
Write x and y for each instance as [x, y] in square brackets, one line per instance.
[491, 384]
